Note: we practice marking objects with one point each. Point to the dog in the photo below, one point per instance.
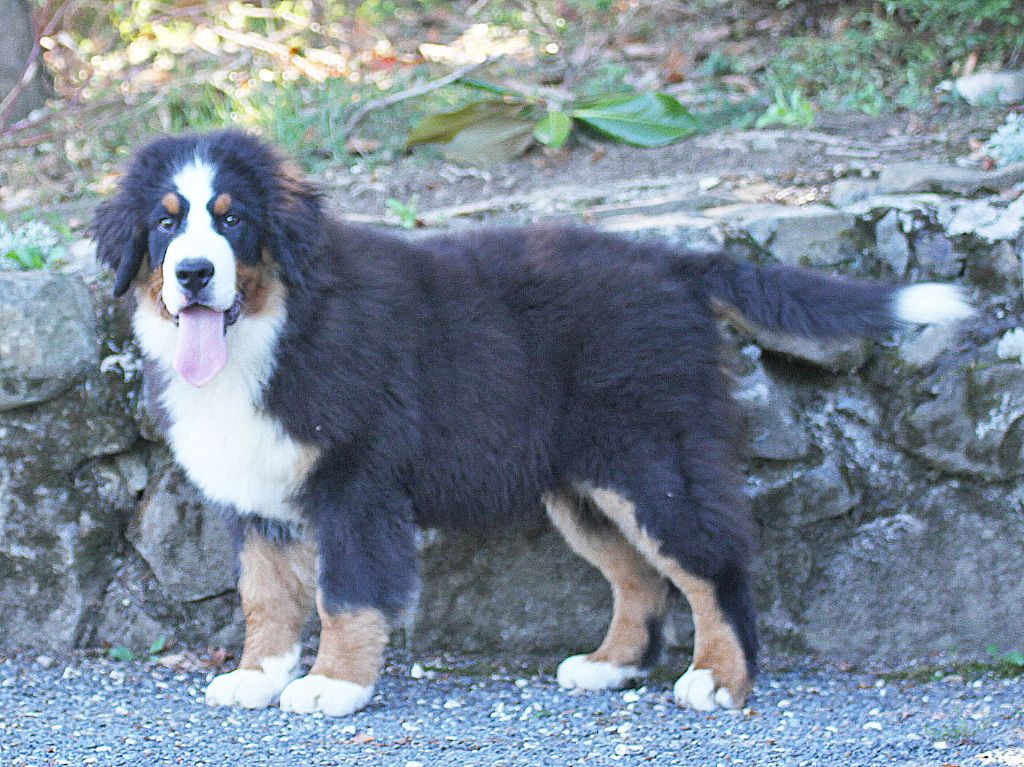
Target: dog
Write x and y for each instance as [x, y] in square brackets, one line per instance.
[337, 386]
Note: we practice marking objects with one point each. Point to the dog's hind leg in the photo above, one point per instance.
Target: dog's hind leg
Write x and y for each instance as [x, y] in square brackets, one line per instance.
[682, 526]
[276, 585]
[639, 594]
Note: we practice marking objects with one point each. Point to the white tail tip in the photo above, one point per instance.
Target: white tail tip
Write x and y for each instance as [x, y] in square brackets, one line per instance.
[932, 302]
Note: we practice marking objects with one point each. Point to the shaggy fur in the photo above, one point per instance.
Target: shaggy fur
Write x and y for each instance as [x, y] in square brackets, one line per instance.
[457, 380]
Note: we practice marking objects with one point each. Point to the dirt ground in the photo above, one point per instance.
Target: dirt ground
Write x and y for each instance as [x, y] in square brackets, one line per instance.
[768, 165]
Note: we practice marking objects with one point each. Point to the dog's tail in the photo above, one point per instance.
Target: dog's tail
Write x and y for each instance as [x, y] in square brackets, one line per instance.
[807, 303]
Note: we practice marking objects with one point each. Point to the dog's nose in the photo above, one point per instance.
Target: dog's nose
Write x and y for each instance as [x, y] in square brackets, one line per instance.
[194, 274]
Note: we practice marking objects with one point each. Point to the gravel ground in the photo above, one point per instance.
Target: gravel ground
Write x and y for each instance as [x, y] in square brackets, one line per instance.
[97, 711]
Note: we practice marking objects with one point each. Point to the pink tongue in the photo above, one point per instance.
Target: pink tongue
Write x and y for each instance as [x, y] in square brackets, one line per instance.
[202, 349]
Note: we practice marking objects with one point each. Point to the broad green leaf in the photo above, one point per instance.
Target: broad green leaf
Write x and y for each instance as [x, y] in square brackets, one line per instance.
[443, 126]
[553, 129]
[121, 653]
[644, 120]
[491, 142]
[158, 645]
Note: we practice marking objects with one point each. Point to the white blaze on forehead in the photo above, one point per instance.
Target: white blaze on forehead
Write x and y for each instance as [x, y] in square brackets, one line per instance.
[197, 237]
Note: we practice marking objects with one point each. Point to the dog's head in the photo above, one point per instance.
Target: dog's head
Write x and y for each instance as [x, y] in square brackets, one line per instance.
[210, 229]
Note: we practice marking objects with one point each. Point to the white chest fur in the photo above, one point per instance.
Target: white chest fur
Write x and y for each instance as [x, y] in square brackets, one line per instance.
[234, 452]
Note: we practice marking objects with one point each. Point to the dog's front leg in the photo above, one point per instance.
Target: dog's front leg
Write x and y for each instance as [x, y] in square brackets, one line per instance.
[368, 576]
[276, 586]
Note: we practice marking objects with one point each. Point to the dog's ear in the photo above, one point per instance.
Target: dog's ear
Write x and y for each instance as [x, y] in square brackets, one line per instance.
[120, 241]
[296, 223]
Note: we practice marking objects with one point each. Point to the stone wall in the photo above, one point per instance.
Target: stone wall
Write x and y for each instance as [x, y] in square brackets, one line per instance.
[886, 478]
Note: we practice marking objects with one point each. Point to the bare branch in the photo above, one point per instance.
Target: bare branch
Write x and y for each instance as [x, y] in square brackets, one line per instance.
[410, 93]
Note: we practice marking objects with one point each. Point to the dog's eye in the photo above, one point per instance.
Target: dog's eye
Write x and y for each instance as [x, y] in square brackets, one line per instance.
[165, 224]
[231, 220]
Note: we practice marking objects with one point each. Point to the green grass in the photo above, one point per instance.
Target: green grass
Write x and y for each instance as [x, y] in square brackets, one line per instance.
[1006, 665]
[894, 53]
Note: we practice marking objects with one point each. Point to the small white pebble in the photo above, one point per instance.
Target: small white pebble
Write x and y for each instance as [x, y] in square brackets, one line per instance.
[521, 683]
[414, 764]
[879, 683]
[940, 745]
[872, 726]
[44, 660]
[630, 696]
[453, 703]
[784, 703]
[416, 672]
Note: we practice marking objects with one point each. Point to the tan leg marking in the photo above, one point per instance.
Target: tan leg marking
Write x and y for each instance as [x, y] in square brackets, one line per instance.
[276, 587]
[347, 666]
[277, 592]
[351, 645]
[716, 646]
[639, 592]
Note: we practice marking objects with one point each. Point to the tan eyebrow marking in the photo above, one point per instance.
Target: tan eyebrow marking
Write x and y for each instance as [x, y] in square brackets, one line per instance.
[171, 203]
[221, 204]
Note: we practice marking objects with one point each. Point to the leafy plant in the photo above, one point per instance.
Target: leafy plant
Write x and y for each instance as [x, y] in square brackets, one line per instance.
[792, 111]
[496, 129]
[33, 245]
[1006, 145]
[1007, 663]
[406, 212]
[125, 655]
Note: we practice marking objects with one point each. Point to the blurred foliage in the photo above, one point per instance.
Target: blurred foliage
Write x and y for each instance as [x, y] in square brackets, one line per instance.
[885, 55]
[31, 245]
[1006, 145]
[296, 70]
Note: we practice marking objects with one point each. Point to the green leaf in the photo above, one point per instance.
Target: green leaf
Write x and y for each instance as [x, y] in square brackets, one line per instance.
[444, 126]
[1014, 658]
[121, 653]
[491, 142]
[484, 85]
[158, 646]
[406, 212]
[553, 129]
[644, 120]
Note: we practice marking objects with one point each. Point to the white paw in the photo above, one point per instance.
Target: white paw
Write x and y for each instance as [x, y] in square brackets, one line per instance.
[333, 697]
[696, 689]
[253, 688]
[577, 671]
[245, 687]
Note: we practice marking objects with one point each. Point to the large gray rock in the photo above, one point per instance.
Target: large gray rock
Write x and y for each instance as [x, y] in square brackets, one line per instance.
[66, 483]
[681, 229]
[47, 335]
[946, 577]
[971, 423]
[772, 424]
[186, 544]
[818, 235]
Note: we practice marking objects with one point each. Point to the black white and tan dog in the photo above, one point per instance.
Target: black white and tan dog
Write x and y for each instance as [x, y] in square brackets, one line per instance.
[337, 386]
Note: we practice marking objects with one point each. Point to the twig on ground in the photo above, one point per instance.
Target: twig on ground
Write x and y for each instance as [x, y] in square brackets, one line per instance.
[410, 93]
